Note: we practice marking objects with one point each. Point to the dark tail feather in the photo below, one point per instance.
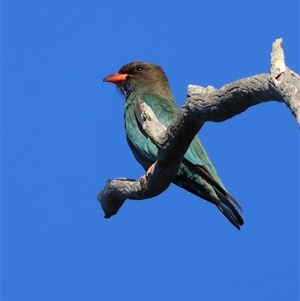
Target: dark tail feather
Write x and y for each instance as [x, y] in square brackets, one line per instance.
[205, 174]
[223, 200]
[229, 210]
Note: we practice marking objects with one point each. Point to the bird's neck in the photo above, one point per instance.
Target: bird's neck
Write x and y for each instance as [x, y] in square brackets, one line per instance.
[157, 89]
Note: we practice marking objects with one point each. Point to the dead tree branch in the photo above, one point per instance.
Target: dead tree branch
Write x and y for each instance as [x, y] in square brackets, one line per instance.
[202, 104]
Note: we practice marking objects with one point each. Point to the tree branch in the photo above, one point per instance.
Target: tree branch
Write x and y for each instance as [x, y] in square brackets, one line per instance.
[202, 104]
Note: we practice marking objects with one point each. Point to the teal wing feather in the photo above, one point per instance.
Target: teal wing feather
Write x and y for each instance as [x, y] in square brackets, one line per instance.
[165, 111]
[141, 145]
[196, 173]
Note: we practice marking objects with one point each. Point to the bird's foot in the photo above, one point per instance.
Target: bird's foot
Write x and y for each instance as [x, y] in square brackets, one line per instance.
[148, 172]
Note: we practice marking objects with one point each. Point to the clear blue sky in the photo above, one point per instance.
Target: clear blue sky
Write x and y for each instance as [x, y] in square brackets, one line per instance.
[63, 137]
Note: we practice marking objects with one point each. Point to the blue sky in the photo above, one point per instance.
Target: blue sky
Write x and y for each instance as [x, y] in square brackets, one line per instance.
[63, 137]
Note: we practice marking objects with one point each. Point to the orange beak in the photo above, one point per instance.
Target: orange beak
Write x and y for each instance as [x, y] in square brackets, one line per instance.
[116, 78]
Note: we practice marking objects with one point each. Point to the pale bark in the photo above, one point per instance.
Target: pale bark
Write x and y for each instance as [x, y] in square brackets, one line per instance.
[202, 104]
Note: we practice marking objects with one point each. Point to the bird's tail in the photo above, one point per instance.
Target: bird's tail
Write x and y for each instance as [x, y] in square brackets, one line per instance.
[226, 202]
[217, 196]
[225, 206]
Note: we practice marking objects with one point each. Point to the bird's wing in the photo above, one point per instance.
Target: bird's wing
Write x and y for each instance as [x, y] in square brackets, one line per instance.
[166, 111]
[197, 155]
[195, 159]
[144, 150]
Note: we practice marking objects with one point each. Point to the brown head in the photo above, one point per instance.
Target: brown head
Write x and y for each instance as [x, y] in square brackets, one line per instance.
[144, 77]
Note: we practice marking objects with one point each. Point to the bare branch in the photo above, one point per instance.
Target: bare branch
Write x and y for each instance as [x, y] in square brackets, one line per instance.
[202, 104]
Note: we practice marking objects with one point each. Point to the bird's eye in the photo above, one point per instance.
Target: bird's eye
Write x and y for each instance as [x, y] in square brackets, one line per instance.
[138, 69]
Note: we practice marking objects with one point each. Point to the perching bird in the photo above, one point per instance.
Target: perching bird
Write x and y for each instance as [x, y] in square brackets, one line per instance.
[148, 83]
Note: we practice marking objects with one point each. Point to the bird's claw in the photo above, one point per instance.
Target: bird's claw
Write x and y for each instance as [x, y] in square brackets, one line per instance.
[148, 172]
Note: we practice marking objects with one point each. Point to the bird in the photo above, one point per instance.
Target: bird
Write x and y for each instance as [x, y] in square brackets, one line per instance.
[148, 83]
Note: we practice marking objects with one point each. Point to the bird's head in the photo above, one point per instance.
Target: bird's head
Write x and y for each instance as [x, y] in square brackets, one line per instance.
[144, 77]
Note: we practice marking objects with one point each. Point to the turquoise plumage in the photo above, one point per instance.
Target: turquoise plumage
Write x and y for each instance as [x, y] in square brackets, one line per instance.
[148, 83]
